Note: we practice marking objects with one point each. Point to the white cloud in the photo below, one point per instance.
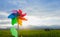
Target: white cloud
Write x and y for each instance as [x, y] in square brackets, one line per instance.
[32, 20]
[37, 14]
[48, 21]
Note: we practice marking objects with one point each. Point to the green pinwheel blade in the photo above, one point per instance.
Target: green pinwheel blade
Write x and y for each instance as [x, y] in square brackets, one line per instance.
[14, 20]
[14, 32]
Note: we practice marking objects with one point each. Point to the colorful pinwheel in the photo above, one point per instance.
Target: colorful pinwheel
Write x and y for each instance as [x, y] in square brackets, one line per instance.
[17, 16]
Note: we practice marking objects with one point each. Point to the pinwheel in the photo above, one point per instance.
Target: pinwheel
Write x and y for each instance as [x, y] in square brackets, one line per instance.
[16, 17]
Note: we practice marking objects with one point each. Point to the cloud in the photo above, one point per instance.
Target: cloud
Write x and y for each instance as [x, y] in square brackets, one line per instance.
[4, 18]
[40, 12]
[3, 15]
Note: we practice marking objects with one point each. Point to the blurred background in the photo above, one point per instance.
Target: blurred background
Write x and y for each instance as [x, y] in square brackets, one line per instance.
[41, 14]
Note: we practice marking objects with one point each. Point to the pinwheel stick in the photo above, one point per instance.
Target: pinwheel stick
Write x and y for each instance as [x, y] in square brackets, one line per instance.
[18, 29]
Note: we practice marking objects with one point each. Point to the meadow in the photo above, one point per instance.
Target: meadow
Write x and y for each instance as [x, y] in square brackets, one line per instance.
[32, 33]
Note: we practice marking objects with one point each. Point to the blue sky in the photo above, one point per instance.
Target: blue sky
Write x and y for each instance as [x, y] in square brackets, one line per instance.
[42, 12]
[21, 4]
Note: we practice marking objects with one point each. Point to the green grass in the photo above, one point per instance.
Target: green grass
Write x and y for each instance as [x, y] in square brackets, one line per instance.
[32, 33]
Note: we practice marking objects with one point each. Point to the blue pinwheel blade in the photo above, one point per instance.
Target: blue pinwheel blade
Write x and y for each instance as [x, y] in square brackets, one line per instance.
[12, 15]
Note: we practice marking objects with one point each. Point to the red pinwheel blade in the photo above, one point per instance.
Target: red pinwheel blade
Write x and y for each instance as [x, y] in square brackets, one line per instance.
[20, 12]
[23, 14]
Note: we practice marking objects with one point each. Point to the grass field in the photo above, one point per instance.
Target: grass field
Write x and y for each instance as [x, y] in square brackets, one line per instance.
[32, 33]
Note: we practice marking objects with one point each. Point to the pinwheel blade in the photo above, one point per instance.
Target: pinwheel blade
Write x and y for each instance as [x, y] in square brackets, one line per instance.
[23, 14]
[20, 12]
[13, 15]
[14, 20]
[14, 32]
[22, 18]
[14, 11]
[20, 22]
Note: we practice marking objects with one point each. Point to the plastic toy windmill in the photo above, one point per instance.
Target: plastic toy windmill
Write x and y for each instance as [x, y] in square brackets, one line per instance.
[16, 17]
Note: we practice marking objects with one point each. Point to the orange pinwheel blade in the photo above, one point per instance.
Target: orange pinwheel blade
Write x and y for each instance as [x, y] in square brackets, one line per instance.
[20, 22]
[23, 18]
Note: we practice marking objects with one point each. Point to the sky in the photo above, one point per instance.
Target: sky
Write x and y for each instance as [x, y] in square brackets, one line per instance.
[39, 12]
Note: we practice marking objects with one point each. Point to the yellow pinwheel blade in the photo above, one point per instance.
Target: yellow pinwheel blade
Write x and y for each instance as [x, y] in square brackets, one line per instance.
[20, 22]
